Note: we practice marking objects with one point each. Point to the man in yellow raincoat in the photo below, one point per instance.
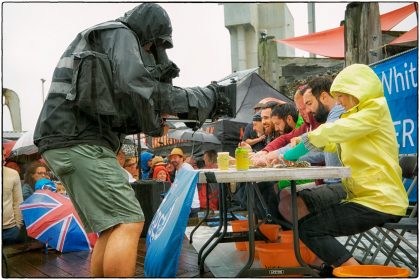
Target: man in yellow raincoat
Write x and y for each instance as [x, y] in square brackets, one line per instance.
[365, 140]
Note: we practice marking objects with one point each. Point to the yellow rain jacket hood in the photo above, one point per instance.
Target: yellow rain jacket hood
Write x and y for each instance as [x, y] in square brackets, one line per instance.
[366, 142]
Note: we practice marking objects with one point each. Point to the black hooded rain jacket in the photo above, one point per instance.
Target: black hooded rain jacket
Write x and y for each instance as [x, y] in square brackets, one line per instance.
[105, 85]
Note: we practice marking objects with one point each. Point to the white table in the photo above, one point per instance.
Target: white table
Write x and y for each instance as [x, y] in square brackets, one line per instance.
[251, 177]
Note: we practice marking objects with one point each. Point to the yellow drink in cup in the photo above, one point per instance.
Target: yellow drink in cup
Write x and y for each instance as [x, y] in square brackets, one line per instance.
[242, 159]
[223, 160]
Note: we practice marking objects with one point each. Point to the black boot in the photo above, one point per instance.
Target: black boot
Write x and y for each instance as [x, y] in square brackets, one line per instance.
[326, 271]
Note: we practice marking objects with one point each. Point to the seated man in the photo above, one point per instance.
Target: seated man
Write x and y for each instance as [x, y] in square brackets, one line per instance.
[285, 118]
[269, 152]
[324, 109]
[267, 189]
[255, 137]
[365, 136]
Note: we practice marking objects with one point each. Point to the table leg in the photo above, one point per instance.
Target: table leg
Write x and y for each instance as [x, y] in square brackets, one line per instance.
[205, 216]
[296, 231]
[250, 188]
[223, 223]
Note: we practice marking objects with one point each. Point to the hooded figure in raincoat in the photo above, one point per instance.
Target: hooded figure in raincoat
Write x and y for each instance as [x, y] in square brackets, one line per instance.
[365, 140]
[144, 165]
[114, 79]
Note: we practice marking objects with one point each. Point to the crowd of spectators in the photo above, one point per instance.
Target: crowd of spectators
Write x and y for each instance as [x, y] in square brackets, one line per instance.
[327, 117]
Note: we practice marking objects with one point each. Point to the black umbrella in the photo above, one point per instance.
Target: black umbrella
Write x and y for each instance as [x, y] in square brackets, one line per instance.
[197, 136]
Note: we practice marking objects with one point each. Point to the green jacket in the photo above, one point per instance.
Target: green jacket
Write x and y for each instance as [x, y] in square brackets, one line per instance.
[365, 140]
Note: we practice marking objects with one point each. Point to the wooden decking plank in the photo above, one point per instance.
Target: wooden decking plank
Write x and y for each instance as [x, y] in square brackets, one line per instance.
[14, 274]
[36, 263]
[69, 261]
[23, 265]
[82, 254]
[47, 264]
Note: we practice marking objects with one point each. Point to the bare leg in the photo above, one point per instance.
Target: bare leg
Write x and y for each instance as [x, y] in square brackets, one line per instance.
[285, 211]
[96, 263]
[285, 206]
[351, 261]
[120, 255]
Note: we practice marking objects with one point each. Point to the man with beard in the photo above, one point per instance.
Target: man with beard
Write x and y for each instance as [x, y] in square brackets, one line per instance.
[285, 118]
[269, 129]
[269, 152]
[178, 159]
[311, 198]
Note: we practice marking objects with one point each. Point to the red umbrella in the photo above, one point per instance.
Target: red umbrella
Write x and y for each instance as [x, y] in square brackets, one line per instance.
[51, 218]
[8, 146]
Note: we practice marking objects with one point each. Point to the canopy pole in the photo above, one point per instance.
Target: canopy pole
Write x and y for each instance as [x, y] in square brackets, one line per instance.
[311, 21]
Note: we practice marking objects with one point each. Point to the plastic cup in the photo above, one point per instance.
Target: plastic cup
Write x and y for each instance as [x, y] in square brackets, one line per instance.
[242, 158]
[223, 160]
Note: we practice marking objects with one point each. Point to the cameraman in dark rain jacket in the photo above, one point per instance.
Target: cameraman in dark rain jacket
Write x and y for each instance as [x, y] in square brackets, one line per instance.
[114, 79]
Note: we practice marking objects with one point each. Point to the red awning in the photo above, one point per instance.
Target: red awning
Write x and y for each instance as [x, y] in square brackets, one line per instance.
[326, 43]
[391, 19]
[330, 43]
[408, 36]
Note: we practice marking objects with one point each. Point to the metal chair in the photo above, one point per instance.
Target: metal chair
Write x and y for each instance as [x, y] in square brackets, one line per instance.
[389, 238]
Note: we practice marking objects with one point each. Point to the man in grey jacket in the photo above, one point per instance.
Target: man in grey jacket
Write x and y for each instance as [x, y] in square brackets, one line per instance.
[114, 79]
[324, 108]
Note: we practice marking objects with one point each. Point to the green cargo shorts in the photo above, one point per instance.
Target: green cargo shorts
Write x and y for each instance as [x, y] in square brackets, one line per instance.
[96, 184]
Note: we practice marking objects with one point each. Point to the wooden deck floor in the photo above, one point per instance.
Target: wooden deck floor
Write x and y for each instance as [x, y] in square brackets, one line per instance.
[37, 263]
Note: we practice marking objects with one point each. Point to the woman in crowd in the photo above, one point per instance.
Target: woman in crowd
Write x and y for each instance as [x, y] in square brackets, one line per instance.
[365, 140]
[131, 165]
[35, 171]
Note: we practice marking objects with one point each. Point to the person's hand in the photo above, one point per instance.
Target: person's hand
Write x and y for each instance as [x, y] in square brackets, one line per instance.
[243, 144]
[294, 141]
[271, 157]
[281, 160]
[262, 137]
[274, 162]
[260, 153]
[259, 160]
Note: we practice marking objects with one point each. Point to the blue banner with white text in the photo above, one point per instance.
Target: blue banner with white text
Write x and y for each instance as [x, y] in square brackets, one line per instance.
[166, 231]
[399, 76]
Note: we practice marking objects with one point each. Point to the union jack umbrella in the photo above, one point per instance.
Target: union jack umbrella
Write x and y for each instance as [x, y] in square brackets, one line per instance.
[52, 219]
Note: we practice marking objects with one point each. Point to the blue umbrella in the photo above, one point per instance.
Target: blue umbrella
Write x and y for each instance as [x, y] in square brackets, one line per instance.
[51, 218]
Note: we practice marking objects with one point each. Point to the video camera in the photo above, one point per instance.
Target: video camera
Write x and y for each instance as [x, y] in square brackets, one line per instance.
[224, 105]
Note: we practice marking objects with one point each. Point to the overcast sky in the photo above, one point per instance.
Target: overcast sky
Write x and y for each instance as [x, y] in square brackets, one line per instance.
[34, 35]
